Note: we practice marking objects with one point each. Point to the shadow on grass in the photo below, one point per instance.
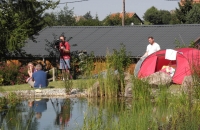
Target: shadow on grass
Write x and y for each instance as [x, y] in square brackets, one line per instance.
[51, 87]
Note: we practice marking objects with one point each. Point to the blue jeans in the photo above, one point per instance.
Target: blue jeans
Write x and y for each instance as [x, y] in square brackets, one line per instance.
[65, 64]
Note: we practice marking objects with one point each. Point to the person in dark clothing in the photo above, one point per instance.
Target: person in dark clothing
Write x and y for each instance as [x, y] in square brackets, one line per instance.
[39, 78]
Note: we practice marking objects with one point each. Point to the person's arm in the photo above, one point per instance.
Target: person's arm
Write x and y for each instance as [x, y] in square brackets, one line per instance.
[67, 49]
[145, 54]
[158, 48]
[30, 72]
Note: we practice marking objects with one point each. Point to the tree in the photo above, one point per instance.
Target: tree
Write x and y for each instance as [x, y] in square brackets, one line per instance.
[89, 21]
[20, 20]
[165, 16]
[50, 19]
[174, 19]
[155, 16]
[152, 15]
[88, 15]
[193, 16]
[64, 17]
[183, 10]
[112, 20]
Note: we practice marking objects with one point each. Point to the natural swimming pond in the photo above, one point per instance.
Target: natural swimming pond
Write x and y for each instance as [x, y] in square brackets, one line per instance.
[166, 112]
[45, 114]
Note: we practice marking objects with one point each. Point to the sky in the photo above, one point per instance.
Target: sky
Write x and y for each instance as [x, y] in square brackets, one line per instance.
[105, 7]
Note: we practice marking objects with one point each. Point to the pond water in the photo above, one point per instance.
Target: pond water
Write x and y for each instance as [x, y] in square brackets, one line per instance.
[103, 113]
[46, 114]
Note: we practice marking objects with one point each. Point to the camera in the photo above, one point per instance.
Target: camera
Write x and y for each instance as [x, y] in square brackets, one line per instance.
[56, 43]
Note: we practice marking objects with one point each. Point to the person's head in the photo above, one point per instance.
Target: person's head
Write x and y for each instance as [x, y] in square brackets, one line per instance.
[62, 38]
[38, 67]
[151, 40]
[30, 103]
[30, 65]
[38, 115]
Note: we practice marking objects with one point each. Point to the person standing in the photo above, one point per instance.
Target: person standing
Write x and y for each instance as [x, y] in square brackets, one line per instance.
[151, 48]
[39, 78]
[64, 48]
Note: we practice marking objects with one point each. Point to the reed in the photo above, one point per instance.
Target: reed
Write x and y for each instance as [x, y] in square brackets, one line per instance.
[150, 108]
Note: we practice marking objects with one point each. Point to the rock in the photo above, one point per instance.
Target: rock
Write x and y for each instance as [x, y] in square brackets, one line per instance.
[128, 90]
[128, 85]
[158, 78]
[74, 91]
[187, 83]
[93, 91]
[38, 90]
[127, 77]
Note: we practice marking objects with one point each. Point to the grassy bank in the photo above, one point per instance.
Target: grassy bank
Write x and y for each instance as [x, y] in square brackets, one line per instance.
[81, 84]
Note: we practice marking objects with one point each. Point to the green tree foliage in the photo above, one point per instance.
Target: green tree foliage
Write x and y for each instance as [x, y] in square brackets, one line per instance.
[165, 17]
[50, 19]
[174, 19]
[183, 10]
[20, 20]
[112, 20]
[88, 15]
[87, 20]
[65, 17]
[193, 16]
[155, 16]
[152, 15]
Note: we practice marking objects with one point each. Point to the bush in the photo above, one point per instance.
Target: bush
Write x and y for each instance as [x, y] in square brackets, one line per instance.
[12, 74]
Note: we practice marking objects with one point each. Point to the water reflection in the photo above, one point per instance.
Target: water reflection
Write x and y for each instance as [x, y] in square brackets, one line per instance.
[45, 114]
[63, 112]
[58, 113]
[38, 106]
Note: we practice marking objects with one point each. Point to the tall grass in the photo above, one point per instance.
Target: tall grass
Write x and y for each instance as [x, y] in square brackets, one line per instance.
[153, 108]
[111, 80]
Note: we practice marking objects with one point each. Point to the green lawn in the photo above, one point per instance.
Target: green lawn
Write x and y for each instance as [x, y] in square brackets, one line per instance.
[56, 84]
[81, 83]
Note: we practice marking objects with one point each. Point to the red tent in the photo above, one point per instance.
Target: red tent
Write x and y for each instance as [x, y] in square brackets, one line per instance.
[185, 59]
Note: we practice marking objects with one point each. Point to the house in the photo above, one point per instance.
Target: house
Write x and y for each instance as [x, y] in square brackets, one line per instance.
[193, 1]
[128, 15]
[100, 38]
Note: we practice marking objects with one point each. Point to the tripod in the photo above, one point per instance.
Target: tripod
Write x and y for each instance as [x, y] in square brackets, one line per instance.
[65, 65]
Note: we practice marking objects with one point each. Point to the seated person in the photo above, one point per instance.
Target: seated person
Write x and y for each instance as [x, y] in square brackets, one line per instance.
[31, 70]
[168, 69]
[39, 77]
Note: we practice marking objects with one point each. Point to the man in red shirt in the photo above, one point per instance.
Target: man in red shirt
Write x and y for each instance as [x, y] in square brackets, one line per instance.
[64, 48]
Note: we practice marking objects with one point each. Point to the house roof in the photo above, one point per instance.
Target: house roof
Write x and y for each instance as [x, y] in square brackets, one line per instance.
[120, 14]
[100, 38]
[193, 1]
[128, 14]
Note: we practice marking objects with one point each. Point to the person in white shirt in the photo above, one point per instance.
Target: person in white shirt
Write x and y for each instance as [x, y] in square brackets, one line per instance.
[151, 48]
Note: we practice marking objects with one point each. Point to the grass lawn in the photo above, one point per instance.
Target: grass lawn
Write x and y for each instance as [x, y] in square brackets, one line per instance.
[80, 83]
[56, 84]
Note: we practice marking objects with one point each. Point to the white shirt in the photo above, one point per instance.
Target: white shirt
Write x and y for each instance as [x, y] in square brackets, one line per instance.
[152, 48]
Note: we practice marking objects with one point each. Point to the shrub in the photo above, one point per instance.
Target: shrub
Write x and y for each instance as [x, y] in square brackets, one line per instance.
[12, 74]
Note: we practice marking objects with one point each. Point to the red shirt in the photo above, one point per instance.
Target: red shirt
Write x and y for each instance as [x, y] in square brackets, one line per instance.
[64, 55]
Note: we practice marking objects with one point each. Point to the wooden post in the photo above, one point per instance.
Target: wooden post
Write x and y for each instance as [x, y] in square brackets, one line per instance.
[53, 74]
[123, 13]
